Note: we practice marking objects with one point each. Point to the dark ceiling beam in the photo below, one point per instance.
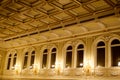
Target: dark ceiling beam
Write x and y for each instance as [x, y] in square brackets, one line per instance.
[84, 5]
[109, 2]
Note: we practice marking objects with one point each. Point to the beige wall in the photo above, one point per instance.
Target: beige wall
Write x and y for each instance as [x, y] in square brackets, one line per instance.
[89, 58]
[3, 53]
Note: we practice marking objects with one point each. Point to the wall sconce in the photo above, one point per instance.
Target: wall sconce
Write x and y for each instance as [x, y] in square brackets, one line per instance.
[53, 66]
[35, 68]
[119, 63]
[30, 67]
[81, 64]
[17, 69]
[87, 69]
[57, 68]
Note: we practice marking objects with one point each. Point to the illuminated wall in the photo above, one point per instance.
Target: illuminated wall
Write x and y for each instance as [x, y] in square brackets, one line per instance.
[89, 67]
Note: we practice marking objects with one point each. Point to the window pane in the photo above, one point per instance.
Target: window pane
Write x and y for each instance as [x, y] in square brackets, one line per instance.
[80, 58]
[10, 55]
[115, 42]
[14, 60]
[69, 48]
[54, 50]
[53, 59]
[45, 51]
[25, 60]
[101, 44]
[101, 57]
[115, 55]
[8, 65]
[68, 59]
[32, 58]
[44, 62]
[33, 52]
[80, 46]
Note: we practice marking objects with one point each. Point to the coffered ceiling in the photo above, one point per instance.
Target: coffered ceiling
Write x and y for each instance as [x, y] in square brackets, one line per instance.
[25, 22]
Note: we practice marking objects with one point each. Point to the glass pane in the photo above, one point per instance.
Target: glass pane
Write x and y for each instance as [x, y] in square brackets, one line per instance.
[101, 57]
[80, 58]
[68, 59]
[80, 46]
[33, 52]
[69, 48]
[101, 44]
[44, 62]
[115, 55]
[15, 55]
[53, 59]
[14, 61]
[54, 50]
[45, 51]
[26, 53]
[115, 42]
[10, 55]
[32, 60]
[25, 62]
[8, 65]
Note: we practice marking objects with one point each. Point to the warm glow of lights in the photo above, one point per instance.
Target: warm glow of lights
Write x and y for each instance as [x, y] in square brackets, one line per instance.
[17, 68]
[44, 67]
[58, 68]
[35, 68]
[53, 66]
[68, 67]
[88, 68]
[98, 66]
[30, 67]
[119, 64]
[13, 68]
[81, 64]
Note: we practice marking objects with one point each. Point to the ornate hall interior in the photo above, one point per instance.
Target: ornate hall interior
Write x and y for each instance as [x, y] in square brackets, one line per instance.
[60, 39]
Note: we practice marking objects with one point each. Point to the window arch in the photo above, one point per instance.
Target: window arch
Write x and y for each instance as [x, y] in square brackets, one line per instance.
[9, 61]
[32, 58]
[101, 54]
[53, 58]
[80, 55]
[115, 52]
[44, 60]
[68, 57]
[25, 60]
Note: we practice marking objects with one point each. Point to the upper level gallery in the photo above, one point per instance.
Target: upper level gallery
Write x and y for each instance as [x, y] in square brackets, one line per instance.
[95, 55]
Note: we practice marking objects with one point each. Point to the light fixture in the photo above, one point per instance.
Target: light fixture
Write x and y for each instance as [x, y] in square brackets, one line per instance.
[30, 67]
[81, 64]
[58, 68]
[13, 68]
[35, 68]
[17, 69]
[119, 63]
[53, 66]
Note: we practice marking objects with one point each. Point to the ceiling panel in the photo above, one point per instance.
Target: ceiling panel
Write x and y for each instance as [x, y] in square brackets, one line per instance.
[19, 18]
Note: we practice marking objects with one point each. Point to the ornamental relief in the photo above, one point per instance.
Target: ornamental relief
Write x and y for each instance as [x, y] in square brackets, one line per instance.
[107, 37]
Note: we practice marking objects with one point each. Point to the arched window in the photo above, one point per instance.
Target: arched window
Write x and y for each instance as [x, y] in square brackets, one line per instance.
[14, 59]
[9, 61]
[80, 55]
[115, 52]
[32, 58]
[53, 58]
[44, 60]
[25, 60]
[101, 54]
[68, 57]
